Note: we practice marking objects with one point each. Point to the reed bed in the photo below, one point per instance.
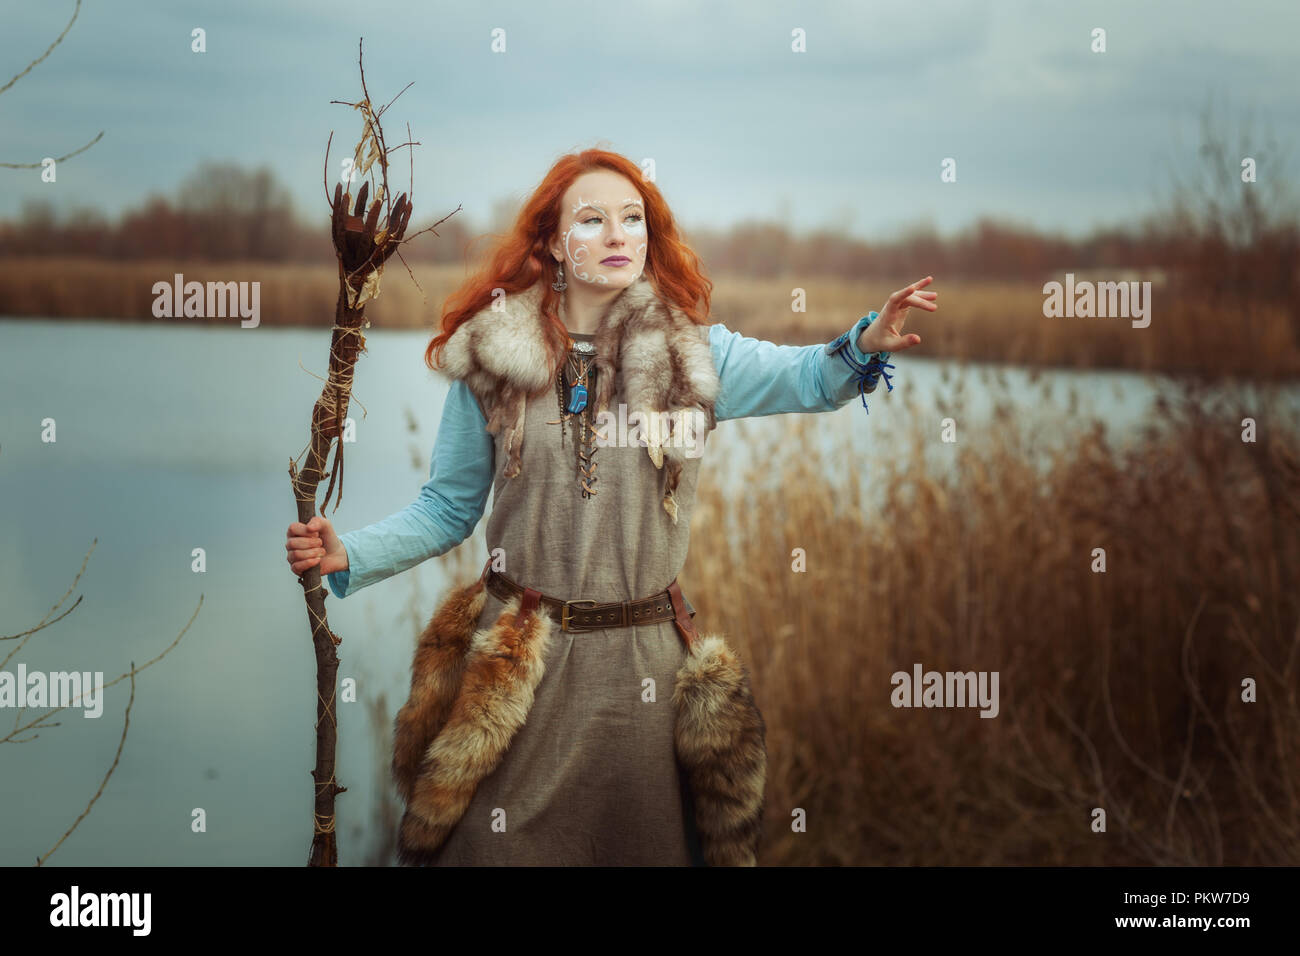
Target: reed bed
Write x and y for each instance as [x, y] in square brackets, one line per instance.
[1119, 690]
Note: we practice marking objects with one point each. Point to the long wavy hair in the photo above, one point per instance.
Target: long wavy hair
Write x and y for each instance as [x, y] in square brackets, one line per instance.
[520, 258]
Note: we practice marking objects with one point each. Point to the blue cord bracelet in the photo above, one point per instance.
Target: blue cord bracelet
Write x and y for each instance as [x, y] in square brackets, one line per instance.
[869, 374]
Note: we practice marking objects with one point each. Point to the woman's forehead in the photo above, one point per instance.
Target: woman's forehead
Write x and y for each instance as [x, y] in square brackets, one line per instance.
[589, 200]
[606, 195]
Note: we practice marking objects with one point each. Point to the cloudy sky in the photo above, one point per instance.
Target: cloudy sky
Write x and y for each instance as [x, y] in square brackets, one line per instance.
[851, 132]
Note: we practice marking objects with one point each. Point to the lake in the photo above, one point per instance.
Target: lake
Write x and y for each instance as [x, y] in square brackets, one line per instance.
[171, 438]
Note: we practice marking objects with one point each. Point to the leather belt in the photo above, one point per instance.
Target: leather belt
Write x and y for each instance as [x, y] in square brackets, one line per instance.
[582, 614]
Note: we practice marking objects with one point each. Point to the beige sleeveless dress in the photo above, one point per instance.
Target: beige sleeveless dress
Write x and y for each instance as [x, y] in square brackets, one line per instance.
[592, 777]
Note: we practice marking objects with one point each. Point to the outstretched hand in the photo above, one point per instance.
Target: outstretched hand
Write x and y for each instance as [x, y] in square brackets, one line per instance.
[885, 333]
[361, 248]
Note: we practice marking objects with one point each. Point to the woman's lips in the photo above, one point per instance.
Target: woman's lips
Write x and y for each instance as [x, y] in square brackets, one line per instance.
[615, 261]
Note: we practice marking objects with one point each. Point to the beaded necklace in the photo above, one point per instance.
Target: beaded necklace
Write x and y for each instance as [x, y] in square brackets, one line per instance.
[580, 363]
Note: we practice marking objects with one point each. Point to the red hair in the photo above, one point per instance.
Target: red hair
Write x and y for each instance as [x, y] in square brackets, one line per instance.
[521, 258]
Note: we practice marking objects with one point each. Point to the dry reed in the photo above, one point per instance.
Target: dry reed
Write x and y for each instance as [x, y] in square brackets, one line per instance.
[1119, 690]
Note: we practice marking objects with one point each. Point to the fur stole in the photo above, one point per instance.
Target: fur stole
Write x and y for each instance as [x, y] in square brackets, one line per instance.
[646, 349]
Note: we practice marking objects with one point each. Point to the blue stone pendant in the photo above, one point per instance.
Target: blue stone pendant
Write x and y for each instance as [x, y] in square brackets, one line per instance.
[578, 398]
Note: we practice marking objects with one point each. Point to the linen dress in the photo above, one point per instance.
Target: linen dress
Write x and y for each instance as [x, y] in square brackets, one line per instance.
[591, 777]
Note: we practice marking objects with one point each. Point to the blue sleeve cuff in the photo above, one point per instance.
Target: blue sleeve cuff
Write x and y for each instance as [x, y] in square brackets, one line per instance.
[867, 368]
[339, 581]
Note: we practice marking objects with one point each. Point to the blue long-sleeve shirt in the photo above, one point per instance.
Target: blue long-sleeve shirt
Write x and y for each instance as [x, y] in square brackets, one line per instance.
[756, 377]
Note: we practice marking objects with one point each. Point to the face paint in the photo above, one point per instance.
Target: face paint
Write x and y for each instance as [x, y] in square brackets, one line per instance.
[581, 233]
[578, 255]
[636, 228]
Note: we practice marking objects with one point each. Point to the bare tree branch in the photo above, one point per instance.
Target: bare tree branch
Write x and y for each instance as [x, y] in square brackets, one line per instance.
[58, 160]
[57, 41]
[30, 67]
[45, 621]
[36, 723]
[42, 721]
[126, 725]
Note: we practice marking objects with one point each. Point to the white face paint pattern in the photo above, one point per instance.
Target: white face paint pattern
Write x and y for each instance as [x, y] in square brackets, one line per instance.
[583, 233]
[638, 229]
[579, 255]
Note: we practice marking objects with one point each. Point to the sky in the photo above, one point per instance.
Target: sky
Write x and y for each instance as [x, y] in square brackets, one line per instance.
[850, 134]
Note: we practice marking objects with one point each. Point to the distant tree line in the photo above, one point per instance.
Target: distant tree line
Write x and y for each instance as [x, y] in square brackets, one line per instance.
[220, 212]
[1225, 241]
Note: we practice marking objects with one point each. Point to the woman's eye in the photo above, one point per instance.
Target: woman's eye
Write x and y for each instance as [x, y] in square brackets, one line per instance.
[634, 215]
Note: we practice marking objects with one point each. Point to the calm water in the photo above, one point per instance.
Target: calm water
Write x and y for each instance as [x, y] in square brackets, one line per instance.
[175, 438]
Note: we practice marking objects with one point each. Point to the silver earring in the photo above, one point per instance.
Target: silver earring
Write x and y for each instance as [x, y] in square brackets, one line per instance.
[559, 285]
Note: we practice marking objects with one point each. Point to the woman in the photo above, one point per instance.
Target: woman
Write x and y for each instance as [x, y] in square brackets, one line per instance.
[564, 709]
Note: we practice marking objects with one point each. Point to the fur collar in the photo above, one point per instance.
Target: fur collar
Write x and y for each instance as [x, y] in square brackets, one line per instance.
[647, 350]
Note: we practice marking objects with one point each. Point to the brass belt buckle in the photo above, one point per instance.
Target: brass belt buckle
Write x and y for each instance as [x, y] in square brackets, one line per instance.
[564, 614]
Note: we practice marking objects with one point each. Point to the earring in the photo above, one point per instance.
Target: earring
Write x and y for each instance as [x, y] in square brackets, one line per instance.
[559, 285]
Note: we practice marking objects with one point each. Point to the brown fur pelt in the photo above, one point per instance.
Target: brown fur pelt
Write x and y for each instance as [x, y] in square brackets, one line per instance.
[436, 674]
[502, 666]
[721, 744]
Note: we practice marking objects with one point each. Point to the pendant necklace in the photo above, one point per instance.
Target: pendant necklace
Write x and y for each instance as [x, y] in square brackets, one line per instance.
[575, 408]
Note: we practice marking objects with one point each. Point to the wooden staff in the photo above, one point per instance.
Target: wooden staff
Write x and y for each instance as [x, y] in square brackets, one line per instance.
[362, 248]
